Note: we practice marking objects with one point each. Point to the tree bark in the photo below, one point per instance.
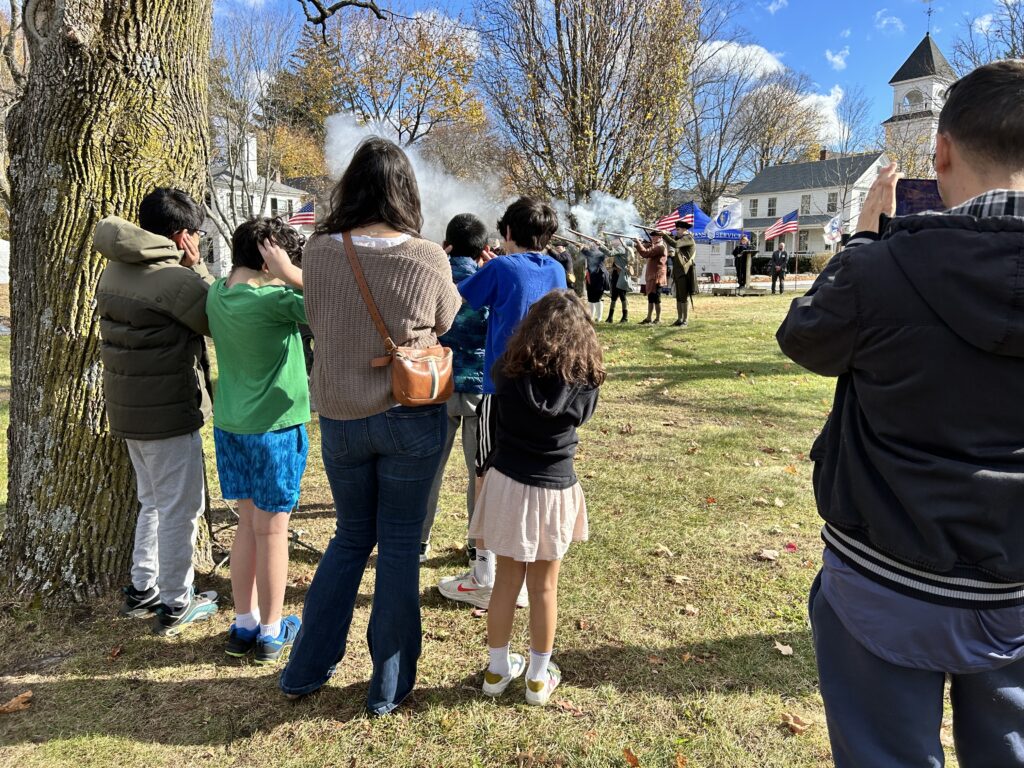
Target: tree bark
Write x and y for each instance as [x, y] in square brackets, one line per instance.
[114, 105]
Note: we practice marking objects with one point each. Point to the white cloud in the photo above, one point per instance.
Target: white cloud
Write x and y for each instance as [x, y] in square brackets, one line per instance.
[983, 24]
[887, 22]
[777, 5]
[838, 59]
[827, 104]
[846, 33]
[753, 58]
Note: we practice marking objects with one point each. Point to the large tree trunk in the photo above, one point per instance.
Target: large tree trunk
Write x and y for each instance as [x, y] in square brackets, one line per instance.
[115, 104]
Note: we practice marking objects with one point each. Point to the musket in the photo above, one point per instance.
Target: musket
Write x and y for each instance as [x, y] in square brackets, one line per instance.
[567, 240]
[620, 235]
[647, 229]
[585, 237]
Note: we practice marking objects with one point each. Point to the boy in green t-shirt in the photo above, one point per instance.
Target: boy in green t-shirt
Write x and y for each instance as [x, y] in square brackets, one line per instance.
[260, 412]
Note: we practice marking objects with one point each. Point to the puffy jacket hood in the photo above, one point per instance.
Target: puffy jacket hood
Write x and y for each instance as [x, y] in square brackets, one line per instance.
[120, 240]
[970, 272]
[550, 397]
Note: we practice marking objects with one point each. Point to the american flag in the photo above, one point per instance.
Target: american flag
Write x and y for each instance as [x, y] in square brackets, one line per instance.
[788, 223]
[668, 222]
[305, 215]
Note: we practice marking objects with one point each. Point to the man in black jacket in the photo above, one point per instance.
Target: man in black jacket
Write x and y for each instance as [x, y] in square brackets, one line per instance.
[778, 266]
[919, 471]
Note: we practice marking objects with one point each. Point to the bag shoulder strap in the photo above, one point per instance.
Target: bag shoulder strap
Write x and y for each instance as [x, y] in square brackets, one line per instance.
[371, 305]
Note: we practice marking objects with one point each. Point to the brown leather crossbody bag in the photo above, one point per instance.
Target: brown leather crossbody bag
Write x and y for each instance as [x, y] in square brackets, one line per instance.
[418, 376]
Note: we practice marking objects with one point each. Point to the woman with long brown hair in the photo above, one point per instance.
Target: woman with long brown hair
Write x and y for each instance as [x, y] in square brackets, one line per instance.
[531, 506]
[380, 458]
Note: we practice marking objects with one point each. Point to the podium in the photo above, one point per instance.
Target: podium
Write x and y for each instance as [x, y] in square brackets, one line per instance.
[747, 289]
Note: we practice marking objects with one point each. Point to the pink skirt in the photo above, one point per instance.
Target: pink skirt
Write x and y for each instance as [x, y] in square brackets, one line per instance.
[525, 522]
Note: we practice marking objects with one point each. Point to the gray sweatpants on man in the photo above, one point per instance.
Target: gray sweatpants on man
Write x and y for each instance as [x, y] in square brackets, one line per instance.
[172, 497]
[462, 407]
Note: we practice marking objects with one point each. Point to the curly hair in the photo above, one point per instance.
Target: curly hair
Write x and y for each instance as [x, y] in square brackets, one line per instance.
[245, 241]
[556, 339]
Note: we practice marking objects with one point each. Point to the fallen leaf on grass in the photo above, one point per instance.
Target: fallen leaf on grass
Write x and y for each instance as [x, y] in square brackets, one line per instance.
[698, 658]
[570, 708]
[767, 449]
[668, 423]
[770, 555]
[790, 546]
[626, 429]
[711, 500]
[662, 551]
[779, 502]
[631, 759]
[785, 650]
[115, 652]
[583, 625]
[757, 463]
[17, 704]
[655, 661]
[677, 579]
[790, 469]
[681, 760]
[691, 610]
[794, 723]
[479, 613]
[761, 501]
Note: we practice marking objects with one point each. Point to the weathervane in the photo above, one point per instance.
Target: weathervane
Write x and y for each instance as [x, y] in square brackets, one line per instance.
[930, 12]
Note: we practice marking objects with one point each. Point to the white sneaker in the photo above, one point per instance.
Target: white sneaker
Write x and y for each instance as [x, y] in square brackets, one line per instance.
[539, 691]
[424, 551]
[449, 579]
[465, 589]
[495, 684]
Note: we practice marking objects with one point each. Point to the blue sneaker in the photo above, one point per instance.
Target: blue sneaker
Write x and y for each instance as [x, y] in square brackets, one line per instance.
[241, 641]
[269, 650]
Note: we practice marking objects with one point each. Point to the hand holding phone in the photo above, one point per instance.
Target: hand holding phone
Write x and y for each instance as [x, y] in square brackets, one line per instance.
[881, 200]
[918, 195]
[185, 242]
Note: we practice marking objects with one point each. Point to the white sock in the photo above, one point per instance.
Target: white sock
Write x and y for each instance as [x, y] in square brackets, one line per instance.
[600, 311]
[499, 661]
[270, 630]
[249, 620]
[483, 568]
[538, 666]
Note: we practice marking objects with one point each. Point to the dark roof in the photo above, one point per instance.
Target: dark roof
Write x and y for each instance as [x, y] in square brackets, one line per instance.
[791, 177]
[926, 61]
[222, 178]
[817, 220]
[911, 116]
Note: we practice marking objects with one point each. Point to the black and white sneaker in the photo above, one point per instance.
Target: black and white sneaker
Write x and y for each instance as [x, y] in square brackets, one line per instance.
[424, 551]
[138, 604]
[170, 621]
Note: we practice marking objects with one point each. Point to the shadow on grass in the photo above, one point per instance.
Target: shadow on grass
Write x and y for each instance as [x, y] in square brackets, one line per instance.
[220, 710]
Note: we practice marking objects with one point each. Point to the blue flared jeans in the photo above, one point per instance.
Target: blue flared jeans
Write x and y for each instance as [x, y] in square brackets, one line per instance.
[380, 470]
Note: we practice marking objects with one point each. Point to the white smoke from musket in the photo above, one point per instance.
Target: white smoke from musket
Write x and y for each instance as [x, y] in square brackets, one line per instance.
[443, 196]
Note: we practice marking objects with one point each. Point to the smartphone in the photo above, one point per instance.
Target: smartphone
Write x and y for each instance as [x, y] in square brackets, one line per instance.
[917, 196]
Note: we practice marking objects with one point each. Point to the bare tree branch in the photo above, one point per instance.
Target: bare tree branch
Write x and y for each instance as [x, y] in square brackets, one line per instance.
[318, 12]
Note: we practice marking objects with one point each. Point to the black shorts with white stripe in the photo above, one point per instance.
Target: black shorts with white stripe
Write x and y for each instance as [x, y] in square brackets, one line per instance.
[485, 434]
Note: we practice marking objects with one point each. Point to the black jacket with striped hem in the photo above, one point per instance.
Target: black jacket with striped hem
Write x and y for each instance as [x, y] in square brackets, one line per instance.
[919, 469]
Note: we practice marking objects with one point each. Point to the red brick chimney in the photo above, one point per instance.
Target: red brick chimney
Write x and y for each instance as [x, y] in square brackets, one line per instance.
[823, 155]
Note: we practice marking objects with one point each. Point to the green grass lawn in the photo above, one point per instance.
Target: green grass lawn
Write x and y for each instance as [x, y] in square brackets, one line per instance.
[694, 464]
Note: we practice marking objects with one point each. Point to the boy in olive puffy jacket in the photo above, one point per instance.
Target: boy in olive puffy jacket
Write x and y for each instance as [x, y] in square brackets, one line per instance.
[151, 301]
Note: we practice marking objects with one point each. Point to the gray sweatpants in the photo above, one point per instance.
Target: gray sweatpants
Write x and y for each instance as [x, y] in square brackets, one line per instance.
[171, 497]
[461, 410]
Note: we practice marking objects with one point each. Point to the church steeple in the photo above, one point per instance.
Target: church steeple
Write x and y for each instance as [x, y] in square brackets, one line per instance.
[926, 61]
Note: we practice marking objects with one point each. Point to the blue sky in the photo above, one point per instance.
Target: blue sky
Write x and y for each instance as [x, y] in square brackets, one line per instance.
[836, 43]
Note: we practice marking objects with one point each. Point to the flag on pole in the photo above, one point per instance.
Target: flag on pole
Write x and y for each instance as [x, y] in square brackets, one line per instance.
[788, 223]
[306, 215]
[834, 229]
[730, 217]
[668, 222]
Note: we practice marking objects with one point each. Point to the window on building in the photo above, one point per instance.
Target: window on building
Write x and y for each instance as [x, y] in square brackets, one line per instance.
[273, 207]
[833, 202]
[753, 208]
[801, 241]
[291, 206]
[772, 205]
[769, 245]
[805, 205]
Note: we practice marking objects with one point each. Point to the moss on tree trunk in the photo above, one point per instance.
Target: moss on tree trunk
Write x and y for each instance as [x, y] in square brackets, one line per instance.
[115, 104]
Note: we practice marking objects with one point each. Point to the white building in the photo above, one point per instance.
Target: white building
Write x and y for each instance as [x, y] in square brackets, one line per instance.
[817, 191]
[918, 93]
[239, 192]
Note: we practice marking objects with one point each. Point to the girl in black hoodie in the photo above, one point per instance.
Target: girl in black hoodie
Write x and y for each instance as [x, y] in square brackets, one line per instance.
[531, 506]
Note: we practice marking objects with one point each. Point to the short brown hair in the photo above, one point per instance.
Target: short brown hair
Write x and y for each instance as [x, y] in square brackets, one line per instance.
[556, 339]
[984, 113]
[378, 187]
[532, 223]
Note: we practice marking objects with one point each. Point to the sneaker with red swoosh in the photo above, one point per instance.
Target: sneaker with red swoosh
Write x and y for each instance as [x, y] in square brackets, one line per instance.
[465, 589]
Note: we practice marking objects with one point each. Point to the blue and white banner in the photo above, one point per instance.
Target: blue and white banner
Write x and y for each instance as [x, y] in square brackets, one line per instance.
[730, 217]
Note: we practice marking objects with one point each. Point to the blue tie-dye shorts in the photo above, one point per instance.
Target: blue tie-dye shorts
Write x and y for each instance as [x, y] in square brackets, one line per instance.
[266, 467]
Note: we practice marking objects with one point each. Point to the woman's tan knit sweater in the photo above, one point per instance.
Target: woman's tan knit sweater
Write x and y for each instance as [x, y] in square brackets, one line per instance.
[412, 286]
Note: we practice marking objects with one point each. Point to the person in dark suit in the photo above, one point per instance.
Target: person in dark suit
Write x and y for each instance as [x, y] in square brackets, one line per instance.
[740, 260]
[778, 265]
